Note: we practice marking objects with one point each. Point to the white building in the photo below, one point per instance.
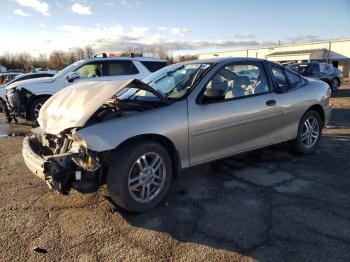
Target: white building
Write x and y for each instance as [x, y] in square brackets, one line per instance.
[336, 52]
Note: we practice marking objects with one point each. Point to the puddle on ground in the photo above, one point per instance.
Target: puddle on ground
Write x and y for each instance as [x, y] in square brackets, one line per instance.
[7, 131]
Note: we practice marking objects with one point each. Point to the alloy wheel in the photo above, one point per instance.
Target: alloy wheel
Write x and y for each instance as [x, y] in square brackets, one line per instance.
[147, 177]
[37, 109]
[310, 132]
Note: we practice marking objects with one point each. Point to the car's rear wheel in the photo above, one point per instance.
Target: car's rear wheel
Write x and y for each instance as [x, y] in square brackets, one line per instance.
[35, 107]
[140, 176]
[309, 133]
[334, 84]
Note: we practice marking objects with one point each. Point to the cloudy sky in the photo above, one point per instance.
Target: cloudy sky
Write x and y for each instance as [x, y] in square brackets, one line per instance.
[183, 26]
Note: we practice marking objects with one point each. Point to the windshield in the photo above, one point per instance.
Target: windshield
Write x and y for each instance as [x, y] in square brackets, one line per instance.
[67, 69]
[172, 82]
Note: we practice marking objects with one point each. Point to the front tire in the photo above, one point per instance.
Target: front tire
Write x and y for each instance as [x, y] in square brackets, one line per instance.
[140, 176]
[35, 107]
[309, 133]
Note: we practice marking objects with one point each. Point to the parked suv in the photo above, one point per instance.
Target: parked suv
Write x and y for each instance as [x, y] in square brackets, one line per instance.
[323, 71]
[24, 99]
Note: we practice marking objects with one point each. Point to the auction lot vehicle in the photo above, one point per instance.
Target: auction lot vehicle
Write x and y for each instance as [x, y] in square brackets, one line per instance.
[323, 71]
[24, 99]
[6, 77]
[27, 76]
[18, 78]
[136, 136]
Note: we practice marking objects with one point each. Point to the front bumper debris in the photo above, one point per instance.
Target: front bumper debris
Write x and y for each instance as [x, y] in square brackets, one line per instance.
[17, 102]
[59, 172]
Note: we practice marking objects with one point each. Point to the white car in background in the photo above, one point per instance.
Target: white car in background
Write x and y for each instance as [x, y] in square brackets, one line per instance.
[24, 99]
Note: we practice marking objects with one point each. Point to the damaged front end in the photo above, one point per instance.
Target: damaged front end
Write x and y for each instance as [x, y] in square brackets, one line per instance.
[63, 162]
[17, 99]
[56, 153]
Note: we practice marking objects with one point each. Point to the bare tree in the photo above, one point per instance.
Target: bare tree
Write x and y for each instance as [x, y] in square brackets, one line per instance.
[89, 52]
[184, 58]
[57, 60]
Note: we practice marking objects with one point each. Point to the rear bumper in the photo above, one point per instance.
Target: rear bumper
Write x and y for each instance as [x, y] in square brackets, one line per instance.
[327, 114]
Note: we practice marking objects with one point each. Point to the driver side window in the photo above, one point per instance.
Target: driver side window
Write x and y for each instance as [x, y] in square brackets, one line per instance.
[238, 80]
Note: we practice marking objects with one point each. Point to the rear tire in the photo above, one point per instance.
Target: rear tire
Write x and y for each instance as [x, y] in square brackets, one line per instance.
[140, 176]
[309, 133]
[35, 107]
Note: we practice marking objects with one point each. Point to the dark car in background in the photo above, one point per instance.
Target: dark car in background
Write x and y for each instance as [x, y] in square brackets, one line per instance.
[27, 76]
[323, 71]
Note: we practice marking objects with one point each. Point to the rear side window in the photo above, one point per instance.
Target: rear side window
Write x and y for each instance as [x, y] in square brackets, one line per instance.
[119, 68]
[153, 66]
[326, 68]
[294, 79]
[280, 78]
[313, 69]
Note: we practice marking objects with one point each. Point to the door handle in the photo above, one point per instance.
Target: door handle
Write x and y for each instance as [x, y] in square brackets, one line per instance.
[271, 102]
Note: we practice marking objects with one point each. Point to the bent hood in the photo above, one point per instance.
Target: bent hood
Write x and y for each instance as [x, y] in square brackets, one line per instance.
[73, 106]
[41, 80]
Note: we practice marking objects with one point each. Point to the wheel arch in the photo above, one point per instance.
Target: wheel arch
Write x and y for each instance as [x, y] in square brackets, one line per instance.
[339, 81]
[164, 141]
[31, 101]
[319, 109]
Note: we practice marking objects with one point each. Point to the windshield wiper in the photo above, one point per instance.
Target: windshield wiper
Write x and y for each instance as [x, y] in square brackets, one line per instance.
[139, 85]
[169, 73]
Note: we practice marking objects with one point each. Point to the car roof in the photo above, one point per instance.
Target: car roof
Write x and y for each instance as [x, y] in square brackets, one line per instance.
[146, 59]
[9, 73]
[225, 60]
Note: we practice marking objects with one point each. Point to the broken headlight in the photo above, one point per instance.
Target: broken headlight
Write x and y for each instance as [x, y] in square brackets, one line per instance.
[83, 157]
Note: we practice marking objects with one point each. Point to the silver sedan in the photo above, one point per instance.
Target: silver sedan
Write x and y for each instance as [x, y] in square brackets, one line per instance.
[136, 136]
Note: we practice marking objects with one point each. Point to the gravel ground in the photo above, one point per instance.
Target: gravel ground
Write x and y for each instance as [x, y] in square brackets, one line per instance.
[267, 205]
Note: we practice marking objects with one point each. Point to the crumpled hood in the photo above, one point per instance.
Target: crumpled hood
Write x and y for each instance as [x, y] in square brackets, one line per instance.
[73, 106]
[41, 80]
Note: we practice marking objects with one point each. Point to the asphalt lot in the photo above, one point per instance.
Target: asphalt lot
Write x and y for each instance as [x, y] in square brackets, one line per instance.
[267, 205]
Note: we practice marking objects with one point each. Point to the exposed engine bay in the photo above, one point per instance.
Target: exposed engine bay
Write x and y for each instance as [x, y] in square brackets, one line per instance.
[116, 107]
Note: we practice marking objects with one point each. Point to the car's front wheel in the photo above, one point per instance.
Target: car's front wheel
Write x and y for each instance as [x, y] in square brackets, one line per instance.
[140, 176]
[309, 133]
[35, 107]
[334, 85]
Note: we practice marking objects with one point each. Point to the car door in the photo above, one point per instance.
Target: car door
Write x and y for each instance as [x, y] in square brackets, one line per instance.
[324, 73]
[290, 95]
[91, 71]
[245, 117]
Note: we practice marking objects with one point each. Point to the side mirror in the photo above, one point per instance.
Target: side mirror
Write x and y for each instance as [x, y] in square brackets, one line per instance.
[72, 76]
[213, 94]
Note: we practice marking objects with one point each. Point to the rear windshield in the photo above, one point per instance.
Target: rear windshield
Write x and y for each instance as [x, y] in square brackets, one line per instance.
[153, 66]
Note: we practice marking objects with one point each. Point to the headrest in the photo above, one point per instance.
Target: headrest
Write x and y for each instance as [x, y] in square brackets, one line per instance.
[242, 81]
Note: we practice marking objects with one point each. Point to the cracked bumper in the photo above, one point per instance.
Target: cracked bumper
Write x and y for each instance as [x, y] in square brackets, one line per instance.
[59, 172]
[34, 162]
